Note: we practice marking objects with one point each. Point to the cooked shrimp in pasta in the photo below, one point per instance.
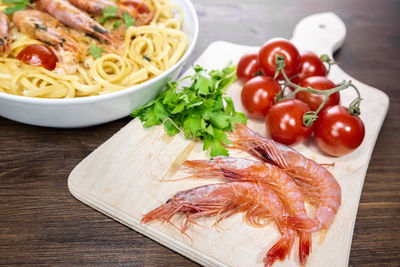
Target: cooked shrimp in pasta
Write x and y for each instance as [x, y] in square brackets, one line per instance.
[4, 33]
[100, 46]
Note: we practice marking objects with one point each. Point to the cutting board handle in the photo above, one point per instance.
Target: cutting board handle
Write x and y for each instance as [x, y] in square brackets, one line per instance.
[322, 33]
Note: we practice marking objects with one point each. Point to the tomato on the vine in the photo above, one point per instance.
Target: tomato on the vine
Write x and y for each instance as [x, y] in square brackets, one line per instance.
[258, 95]
[284, 122]
[38, 55]
[314, 100]
[311, 65]
[247, 67]
[337, 132]
[267, 53]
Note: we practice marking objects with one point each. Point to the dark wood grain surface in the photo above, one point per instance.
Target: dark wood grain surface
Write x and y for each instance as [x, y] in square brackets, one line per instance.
[42, 224]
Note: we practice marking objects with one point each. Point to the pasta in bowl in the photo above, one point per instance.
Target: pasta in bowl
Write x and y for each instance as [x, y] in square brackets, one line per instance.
[118, 57]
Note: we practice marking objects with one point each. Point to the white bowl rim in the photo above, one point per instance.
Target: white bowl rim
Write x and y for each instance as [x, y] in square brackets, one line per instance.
[116, 94]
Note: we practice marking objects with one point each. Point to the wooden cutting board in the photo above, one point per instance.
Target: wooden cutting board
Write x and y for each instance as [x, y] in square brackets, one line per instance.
[128, 175]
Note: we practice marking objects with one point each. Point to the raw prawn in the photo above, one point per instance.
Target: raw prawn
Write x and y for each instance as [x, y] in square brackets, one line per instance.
[74, 17]
[225, 199]
[43, 27]
[5, 38]
[317, 183]
[239, 169]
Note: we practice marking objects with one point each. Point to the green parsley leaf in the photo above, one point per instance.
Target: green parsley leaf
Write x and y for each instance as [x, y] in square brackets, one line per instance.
[108, 13]
[13, 9]
[95, 51]
[15, 1]
[204, 84]
[201, 111]
[170, 128]
[117, 24]
[151, 114]
[128, 20]
[217, 148]
[221, 121]
[192, 125]
[18, 5]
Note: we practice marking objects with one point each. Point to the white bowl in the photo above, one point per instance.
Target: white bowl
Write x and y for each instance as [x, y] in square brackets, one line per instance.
[93, 110]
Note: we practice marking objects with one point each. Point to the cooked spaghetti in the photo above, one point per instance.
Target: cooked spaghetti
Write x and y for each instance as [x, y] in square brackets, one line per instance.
[128, 47]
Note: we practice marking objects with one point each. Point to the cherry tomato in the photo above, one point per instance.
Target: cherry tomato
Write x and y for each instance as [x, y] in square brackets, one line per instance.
[247, 67]
[314, 100]
[266, 57]
[137, 4]
[284, 122]
[258, 95]
[38, 55]
[337, 132]
[311, 65]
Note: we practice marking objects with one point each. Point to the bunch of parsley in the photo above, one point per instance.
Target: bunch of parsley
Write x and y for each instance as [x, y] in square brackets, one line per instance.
[201, 111]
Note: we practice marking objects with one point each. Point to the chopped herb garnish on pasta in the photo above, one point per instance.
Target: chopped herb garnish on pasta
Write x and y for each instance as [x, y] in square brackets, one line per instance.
[128, 20]
[95, 51]
[108, 13]
[26, 2]
[201, 111]
[117, 24]
[19, 5]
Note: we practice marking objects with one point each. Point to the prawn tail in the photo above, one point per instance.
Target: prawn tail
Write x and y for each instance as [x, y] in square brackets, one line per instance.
[301, 223]
[164, 212]
[304, 247]
[279, 251]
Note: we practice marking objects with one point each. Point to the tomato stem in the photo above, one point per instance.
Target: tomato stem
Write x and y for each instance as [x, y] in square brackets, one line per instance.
[325, 58]
[311, 116]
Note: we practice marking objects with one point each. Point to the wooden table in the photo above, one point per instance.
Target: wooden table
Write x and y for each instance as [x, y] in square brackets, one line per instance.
[42, 224]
